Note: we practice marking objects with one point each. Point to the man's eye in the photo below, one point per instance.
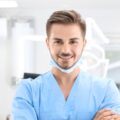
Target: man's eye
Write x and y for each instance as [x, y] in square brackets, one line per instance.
[58, 42]
[73, 42]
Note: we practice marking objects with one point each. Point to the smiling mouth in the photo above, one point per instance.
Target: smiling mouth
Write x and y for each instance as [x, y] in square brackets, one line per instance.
[65, 57]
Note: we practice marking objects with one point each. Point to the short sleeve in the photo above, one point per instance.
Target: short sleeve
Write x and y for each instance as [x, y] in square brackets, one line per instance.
[22, 107]
[112, 98]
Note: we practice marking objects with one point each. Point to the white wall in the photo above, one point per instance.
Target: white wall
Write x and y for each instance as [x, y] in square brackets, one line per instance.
[6, 92]
[108, 20]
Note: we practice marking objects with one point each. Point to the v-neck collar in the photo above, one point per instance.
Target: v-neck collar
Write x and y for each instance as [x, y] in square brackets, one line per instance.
[59, 92]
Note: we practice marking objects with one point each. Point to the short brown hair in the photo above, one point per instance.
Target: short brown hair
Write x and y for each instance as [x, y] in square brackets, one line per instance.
[66, 17]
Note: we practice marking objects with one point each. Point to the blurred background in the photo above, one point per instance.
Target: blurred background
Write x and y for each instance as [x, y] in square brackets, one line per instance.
[22, 40]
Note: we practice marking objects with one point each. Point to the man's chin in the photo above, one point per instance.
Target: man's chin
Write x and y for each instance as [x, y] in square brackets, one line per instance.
[66, 67]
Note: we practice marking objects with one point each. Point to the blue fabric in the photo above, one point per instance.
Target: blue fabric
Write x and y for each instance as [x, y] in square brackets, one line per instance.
[42, 98]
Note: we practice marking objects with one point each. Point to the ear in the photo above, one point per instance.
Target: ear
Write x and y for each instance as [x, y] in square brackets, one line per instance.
[85, 42]
[47, 42]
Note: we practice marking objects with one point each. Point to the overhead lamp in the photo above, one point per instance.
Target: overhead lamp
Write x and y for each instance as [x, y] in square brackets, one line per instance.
[8, 3]
[94, 33]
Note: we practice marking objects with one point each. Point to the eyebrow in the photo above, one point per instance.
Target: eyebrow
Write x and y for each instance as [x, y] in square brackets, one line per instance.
[57, 38]
[74, 38]
[69, 39]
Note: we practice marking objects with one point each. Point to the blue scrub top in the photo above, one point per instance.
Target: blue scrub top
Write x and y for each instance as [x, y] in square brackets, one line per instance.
[42, 98]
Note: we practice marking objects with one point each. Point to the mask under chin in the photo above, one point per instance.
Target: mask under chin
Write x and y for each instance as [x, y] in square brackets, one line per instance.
[65, 70]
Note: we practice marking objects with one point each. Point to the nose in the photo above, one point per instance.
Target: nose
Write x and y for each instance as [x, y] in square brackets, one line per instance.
[65, 48]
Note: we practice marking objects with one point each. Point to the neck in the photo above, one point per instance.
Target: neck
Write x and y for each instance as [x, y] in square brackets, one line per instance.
[65, 78]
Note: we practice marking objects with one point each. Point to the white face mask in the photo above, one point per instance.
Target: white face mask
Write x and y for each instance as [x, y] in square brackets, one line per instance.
[69, 70]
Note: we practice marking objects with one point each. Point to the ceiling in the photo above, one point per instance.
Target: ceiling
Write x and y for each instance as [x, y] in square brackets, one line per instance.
[78, 4]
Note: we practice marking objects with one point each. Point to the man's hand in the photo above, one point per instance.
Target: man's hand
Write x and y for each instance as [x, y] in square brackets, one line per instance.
[106, 114]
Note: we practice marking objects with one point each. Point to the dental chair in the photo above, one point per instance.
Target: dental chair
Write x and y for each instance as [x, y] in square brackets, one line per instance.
[30, 75]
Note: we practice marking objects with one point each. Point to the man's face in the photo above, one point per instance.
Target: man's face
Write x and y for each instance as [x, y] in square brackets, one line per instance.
[65, 44]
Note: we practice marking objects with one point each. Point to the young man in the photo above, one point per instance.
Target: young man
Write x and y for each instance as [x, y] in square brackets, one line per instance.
[66, 92]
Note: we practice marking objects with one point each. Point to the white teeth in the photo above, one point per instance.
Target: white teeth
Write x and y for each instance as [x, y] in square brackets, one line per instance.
[65, 58]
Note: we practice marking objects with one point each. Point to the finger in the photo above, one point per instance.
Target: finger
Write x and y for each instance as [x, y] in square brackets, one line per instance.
[104, 112]
[116, 117]
[107, 118]
[112, 117]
